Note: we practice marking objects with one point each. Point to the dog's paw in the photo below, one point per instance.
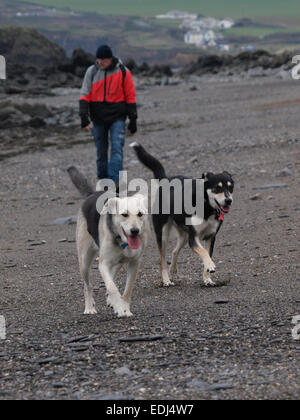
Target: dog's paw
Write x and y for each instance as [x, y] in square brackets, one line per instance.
[166, 282]
[119, 306]
[125, 313]
[209, 282]
[90, 311]
[90, 307]
[123, 310]
[210, 266]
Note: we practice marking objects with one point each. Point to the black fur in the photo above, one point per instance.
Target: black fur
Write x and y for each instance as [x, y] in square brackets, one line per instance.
[150, 162]
[92, 216]
[159, 220]
[80, 182]
[89, 208]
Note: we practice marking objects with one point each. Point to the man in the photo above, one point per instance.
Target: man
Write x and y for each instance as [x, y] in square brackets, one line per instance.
[108, 96]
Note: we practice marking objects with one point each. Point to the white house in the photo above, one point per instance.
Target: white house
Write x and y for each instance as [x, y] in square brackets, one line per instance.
[226, 23]
[177, 14]
[201, 38]
[224, 47]
[207, 23]
[194, 38]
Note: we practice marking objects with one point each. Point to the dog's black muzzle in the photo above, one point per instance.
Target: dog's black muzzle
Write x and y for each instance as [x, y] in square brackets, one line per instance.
[134, 232]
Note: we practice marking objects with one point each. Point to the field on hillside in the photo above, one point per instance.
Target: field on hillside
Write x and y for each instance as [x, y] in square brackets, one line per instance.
[217, 8]
[131, 28]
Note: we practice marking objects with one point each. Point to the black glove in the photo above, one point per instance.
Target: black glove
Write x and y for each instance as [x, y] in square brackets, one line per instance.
[85, 122]
[132, 126]
[84, 113]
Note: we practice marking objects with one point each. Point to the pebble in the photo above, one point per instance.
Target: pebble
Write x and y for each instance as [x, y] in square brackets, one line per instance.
[113, 397]
[276, 340]
[220, 386]
[269, 186]
[257, 196]
[141, 338]
[64, 221]
[204, 386]
[78, 338]
[221, 301]
[123, 371]
[284, 172]
[48, 360]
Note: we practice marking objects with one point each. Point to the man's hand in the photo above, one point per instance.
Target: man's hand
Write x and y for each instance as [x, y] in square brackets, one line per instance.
[132, 129]
[88, 127]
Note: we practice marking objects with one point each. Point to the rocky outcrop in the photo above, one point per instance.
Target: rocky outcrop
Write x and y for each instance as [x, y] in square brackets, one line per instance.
[28, 48]
[34, 115]
[78, 63]
[241, 62]
[36, 65]
[157, 70]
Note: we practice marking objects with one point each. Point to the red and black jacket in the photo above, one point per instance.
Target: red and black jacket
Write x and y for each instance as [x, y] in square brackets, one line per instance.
[107, 95]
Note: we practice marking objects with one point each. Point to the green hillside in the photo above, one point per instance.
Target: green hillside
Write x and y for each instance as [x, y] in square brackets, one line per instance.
[131, 26]
[216, 8]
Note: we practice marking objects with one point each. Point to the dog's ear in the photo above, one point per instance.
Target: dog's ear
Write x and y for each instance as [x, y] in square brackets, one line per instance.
[141, 203]
[206, 176]
[227, 173]
[110, 207]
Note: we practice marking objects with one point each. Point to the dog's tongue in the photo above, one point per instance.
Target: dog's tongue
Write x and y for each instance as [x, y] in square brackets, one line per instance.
[134, 243]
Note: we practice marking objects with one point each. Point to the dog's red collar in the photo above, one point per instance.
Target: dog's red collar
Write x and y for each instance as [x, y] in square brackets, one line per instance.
[221, 216]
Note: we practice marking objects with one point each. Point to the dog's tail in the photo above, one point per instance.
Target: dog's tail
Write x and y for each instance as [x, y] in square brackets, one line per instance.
[149, 161]
[80, 182]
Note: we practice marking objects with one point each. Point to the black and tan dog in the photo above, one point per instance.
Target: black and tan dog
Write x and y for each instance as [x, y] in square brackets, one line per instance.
[218, 189]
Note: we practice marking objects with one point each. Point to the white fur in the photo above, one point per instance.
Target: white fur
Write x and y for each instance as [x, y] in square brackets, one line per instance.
[111, 255]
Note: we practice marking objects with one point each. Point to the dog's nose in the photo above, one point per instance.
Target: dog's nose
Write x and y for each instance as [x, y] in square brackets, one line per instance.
[228, 201]
[134, 232]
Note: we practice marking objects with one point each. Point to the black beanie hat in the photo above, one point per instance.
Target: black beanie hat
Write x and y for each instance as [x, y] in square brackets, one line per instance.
[104, 51]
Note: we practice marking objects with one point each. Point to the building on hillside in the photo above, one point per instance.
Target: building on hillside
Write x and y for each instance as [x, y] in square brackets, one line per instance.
[177, 14]
[206, 23]
[224, 47]
[226, 23]
[201, 38]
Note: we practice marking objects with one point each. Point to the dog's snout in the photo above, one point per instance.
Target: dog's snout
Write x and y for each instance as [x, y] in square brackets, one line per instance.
[228, 201]
[134, 232]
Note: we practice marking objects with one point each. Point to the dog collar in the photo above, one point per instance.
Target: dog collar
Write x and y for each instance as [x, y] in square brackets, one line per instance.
[220, 216]
[123, 245]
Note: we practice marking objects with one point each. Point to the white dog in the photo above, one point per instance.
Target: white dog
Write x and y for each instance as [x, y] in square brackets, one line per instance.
[119, 231]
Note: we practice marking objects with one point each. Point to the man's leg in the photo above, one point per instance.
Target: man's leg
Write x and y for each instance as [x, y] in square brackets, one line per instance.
[117, 140]
[100, 133]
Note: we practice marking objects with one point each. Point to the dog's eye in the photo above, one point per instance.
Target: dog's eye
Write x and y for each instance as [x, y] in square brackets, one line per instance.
[217, 190]
[140, 214]
[125, 214]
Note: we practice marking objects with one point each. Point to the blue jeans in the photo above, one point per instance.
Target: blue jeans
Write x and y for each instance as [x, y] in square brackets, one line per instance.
[109, 169]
